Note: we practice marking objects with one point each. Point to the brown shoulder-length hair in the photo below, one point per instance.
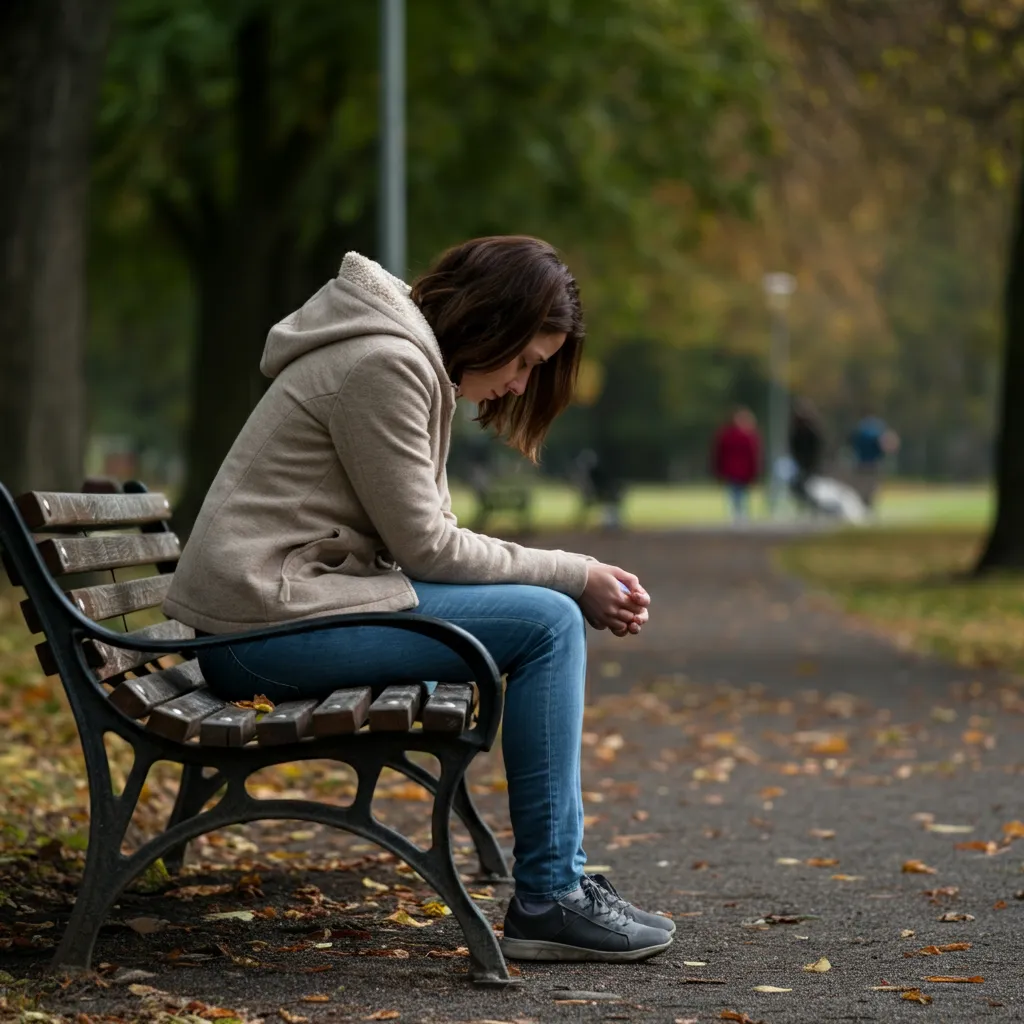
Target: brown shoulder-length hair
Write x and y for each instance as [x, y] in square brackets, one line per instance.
[485, 300]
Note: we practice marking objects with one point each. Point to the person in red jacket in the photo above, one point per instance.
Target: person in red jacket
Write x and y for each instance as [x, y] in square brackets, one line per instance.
[736, 459]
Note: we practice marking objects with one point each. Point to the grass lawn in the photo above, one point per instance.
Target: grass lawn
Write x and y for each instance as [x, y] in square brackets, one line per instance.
[912, 584]
[651, 506]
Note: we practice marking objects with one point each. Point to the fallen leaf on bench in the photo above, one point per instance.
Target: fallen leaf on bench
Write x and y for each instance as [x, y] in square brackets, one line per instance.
[291, 1018]
[147, 925]
[369, 883]
[384, 1015]
[435, 908]
[404, 917]
[230, 915]
[187, 892]
[915, 995]
[977, 979]
[819, 966]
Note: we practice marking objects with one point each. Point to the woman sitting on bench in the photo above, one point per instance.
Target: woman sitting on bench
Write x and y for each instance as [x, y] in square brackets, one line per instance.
[334, 498]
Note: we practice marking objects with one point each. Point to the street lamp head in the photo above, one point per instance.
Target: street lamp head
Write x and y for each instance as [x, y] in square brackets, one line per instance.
[778, 288]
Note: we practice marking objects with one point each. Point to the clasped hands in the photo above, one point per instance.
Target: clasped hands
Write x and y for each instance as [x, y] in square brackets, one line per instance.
[613, 599]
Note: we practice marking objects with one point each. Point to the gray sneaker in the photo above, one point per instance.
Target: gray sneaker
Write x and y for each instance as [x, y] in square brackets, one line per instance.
[615, 900]
[580, 926]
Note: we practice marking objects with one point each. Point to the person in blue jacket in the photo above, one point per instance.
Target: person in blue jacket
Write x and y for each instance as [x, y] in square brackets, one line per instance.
[870, 441]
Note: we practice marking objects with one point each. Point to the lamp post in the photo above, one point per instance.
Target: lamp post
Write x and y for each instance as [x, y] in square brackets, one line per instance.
[778, 289]
[391, 194]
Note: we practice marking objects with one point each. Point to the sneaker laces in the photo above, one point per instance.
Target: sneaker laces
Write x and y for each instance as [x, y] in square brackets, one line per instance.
[613, 905]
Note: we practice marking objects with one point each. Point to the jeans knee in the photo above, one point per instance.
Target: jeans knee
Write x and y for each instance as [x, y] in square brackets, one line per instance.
[561, 613]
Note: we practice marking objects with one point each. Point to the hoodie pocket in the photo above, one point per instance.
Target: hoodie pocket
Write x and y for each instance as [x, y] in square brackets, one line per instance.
[344, 552]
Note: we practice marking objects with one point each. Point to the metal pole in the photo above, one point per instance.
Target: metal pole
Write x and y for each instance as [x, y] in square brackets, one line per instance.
[778, 406]
[392, 137]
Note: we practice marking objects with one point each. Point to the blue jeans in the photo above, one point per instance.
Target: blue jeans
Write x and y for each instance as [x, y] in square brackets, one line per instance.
[738, 495]
[536, 636]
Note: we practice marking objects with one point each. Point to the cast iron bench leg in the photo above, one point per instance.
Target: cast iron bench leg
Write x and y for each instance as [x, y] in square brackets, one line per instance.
[492, 861]
[193, 792]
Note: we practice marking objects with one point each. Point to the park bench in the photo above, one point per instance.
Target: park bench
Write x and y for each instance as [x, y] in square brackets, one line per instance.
[497, 496]
[125, 683]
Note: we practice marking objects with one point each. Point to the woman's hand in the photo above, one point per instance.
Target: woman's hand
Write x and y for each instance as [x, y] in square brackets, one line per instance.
[613, 599]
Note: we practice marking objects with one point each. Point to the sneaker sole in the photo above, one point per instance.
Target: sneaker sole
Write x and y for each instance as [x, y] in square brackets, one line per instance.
[535, 949]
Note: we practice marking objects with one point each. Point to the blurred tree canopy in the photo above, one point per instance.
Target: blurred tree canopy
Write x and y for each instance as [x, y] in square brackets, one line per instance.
[237, 139]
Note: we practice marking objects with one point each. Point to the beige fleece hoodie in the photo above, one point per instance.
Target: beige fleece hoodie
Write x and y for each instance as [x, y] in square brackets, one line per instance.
[335, 491]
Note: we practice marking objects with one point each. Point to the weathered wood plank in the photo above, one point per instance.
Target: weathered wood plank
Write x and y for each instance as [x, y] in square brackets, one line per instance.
[447, 708]
[180, 719]
[87, 554]
[109, 599]
[287, 723]
[138, 697]
[47, 509]
[395, 709]
[232, 727]
[109, 661]
[344, 711]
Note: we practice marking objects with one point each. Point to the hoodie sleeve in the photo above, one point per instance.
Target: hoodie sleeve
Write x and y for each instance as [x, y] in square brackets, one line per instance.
[380, 426]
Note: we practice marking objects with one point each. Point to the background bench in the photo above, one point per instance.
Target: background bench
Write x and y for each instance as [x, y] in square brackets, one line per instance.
[146, 686]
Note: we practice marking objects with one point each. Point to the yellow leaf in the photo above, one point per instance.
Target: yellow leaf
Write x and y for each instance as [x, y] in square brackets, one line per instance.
[770, 988]
[915, 995]
[291, 1018]
[435, 908]
[403, 917]
[917, 867]
[369, 883]
[819, 966]
[933, 826]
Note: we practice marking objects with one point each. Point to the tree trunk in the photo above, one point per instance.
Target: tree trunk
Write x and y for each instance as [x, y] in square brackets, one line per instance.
[1005, 547]
[50, 62]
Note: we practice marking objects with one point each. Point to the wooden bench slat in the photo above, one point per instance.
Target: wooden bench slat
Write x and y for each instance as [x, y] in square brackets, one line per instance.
[287, 723]
[447, 708]
[45, 509]
[109, 599]
[87, 554]
[344, 711]
[232, 727]
[395, 709]
[180, 719]
[138, 697]
[111, 661]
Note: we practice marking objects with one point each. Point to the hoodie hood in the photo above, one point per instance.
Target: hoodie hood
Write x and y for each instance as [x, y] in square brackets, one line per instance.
[363, 300]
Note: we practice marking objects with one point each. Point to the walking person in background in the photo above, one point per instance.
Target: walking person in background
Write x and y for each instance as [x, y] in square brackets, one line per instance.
[806, 448]
[871, 440]
[736, 460]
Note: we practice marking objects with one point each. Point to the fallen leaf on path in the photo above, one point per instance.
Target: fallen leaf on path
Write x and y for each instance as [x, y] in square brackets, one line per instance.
[999, 905]
[230, 915]
[1014, 829]
[770, 988]
[894, 988]
[315, 999]
[822, 833]
[915, 995]
[946, 892]
[787, 861]
[384, 1015]
[435, 908]
[404, 917]
[147, 925]
[977, 844]
[950, 947]
[822, 862]
[695, 963]
[740, 1018]
[977, 979]
[917, 867]
[952, 916]
[187, 892]
[704, 981]
[771, 792]
[819, 966]
[291, 1018]
[847, 878]
[933, 826]
[369, 883]
[907, 933]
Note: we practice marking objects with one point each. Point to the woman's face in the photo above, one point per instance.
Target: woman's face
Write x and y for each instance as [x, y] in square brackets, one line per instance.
[513, 376]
